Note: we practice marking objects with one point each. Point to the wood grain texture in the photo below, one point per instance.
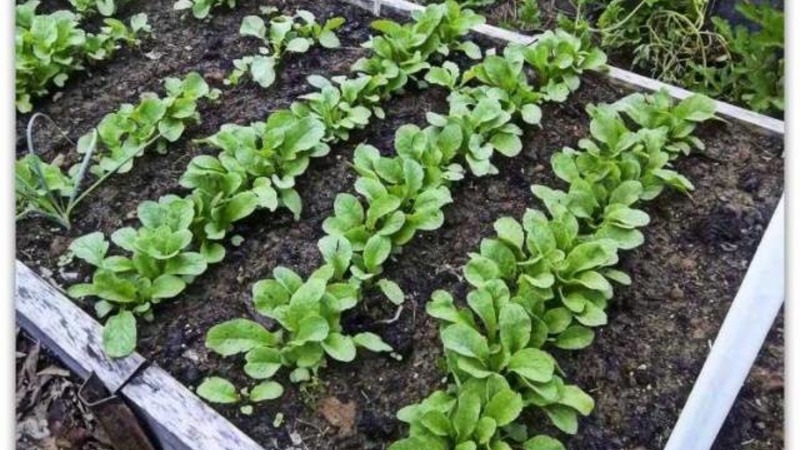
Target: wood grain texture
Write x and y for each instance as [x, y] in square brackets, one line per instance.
[67, 331]
[180, 419]
[755, 121]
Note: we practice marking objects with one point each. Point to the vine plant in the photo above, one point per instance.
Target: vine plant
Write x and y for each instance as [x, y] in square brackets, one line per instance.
[546, 282]
[399, 196]
[256, 168]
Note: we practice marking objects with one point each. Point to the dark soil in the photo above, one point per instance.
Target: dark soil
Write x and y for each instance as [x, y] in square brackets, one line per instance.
[49, 412]
[639, 370]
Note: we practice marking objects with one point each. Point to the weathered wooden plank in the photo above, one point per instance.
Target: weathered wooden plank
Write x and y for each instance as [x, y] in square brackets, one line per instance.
[756, 121]
[180, 419]
[73, 335]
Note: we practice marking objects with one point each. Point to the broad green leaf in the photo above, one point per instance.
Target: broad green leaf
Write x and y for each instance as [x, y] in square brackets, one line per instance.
[238, 336]
[504, 407]
[466, 341]
[371, 342]
[465, 418]
[574, 397]
[543, 442]
[218, 390]
[119, 335]
[376, 251]
[392, 291]
[340, 347]
[312, 329]
[91, 248]
[262, 362]
[563, 417]
[533, 364]
[575, 337]
[266, 390]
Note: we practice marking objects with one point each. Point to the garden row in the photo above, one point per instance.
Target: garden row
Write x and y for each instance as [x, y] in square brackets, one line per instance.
[542, 282]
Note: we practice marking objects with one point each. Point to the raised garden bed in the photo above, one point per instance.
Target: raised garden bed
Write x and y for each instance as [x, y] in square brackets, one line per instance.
[639, 370]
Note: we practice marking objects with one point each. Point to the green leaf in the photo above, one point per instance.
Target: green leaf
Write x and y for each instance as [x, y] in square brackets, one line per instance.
[218, 390]
[266, 390]
[508, 144]
[543, 442]
[371, 342]
[531, 114]
[515, 327]
[376, 251]
[91, 248]
[167, 286]
[510, 231]
[392, 291]
[697, 108]
[504, 407]
[312, 329]
[575, 337]
[466, 341]
[253, 26]
[574, 397]
[563, 417]
[119, 335]
[328, 39]
[298, 45]
[340, 347]
[262, 69]
[533, 364]
[238, 336]
[466, 415]
[262, 363]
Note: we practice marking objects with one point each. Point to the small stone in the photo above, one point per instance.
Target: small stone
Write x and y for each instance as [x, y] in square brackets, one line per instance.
[295, 437]
[676, 293]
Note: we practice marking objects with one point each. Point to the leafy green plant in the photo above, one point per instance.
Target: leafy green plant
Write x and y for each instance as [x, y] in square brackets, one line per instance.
[111, 147]
[50, 47]
[256, 169]
[547, 280]
[294, 34]
[399, 196]
[674, 42]
[201, 9]
[103, 7]
[402, 51]
[524, 16]
[755, 73]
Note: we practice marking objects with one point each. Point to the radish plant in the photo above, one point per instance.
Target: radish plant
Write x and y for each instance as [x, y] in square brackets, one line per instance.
[293, 34]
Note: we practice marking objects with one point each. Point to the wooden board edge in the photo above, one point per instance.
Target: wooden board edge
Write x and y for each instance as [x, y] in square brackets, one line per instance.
[67, 331]
[756, 121]
[178, 418]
